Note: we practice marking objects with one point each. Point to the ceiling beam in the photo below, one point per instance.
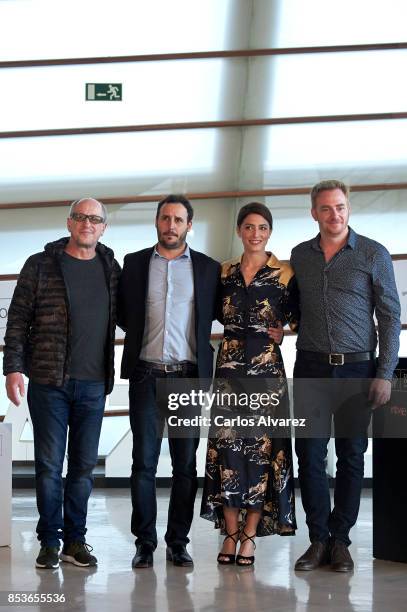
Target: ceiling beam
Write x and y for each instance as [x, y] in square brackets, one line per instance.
[207, 195]
[202, 125]
[193, 55]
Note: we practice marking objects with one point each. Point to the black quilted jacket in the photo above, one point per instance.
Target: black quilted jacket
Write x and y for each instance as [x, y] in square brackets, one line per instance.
[37, 340]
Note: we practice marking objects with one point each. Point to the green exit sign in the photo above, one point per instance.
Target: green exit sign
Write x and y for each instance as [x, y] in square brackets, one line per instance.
[111, 92]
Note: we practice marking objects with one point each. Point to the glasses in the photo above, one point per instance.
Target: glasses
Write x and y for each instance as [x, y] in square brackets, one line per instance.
[81, 218]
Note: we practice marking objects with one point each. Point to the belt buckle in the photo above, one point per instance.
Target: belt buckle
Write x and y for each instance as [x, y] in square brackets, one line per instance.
[336, 359]
[170, 367]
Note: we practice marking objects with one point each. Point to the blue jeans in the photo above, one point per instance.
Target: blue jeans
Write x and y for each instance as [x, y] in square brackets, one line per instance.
[79, 406]
[321, 402]
[147, 419]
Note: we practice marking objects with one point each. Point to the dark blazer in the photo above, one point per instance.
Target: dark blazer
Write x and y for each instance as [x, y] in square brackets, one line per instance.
[132, 298]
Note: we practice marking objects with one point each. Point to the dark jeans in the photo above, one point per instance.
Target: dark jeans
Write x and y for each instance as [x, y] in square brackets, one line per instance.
[147, 420]
[79, 406]
[319, 401]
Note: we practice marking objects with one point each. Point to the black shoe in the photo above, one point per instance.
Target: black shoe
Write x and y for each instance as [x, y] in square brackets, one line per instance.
[315, 556]
[178, 554]
[242, 560]
[143, 556]
[341, 561]
[48, 557]
[78, 553]
[228, 558]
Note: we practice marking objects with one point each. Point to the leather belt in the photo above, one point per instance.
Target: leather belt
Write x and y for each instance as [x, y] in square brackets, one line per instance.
[168, 368]
[337, 359]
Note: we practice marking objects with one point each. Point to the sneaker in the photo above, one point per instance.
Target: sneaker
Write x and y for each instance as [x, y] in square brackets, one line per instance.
[48, 557]
[78, 553]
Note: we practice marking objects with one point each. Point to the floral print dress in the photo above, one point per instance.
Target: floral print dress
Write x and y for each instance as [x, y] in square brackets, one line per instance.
[250, 467]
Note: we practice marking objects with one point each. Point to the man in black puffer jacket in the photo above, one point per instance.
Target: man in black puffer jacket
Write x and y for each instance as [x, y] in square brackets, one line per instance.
[60, 333]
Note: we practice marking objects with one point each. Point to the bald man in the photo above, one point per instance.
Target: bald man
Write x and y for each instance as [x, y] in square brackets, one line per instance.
[60, 333]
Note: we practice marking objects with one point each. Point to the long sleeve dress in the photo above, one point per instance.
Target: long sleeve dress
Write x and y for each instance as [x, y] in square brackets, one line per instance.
[251, 467]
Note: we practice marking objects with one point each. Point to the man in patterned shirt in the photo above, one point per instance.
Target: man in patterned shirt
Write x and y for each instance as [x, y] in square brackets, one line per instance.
[343, 279]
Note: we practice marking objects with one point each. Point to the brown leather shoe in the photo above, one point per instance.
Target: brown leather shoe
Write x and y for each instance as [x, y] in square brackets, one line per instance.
[341, 561]
[315, 556]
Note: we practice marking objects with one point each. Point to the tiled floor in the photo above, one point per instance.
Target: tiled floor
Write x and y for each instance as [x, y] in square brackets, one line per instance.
[271, 585]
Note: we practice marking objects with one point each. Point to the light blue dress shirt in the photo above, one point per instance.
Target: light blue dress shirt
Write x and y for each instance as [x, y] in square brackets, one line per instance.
[169, 332]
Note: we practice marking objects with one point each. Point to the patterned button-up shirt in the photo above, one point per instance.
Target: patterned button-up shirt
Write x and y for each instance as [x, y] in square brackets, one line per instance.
[248, 312]
[338, 299]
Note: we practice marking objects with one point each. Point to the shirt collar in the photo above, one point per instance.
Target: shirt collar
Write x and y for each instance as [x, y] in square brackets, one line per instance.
[351, 241]
[272, 261]
[186, 254]
[352, 237]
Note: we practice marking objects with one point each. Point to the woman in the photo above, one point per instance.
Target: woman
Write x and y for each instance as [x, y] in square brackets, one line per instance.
[248, 487]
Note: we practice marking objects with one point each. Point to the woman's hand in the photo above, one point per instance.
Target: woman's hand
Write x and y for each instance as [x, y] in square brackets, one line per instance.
[276, 333]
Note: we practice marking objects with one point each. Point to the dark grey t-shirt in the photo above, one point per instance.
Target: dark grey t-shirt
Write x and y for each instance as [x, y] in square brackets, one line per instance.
[89, 309]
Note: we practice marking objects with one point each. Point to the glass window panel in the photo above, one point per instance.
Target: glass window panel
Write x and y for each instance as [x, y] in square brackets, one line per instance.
[329, 84]
[153, 92]
[318, 22]
[289, 353]
[113, 430]
[118, 164]
[302, 154]
[74, 28]
[342, 143]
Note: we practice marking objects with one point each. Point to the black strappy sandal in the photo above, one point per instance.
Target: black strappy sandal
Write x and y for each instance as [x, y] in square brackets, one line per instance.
[230, 559]
[241, 559]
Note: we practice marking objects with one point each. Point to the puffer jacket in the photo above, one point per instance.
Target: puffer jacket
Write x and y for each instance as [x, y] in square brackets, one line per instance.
[38, 335]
